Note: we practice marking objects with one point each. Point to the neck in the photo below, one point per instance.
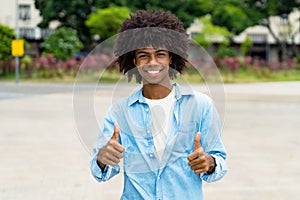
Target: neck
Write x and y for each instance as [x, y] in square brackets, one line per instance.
[156, 91]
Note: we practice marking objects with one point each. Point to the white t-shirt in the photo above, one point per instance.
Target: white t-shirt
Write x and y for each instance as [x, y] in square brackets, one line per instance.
[161, 115]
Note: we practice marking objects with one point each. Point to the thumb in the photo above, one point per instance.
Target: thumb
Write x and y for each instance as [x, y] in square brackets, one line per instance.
[197, 144]
[115, 136]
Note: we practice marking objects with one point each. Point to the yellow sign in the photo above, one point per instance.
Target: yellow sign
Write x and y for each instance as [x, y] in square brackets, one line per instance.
[17, 48]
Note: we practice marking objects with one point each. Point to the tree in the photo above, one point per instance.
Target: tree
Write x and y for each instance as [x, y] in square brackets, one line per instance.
[267, 8]
[238, 15]
[105, 22]
[6, 37]
[71, 13]
[211, 33]
[74, 13]
[232, 17]
[186, 10]
[235, 15]
[245, 45]
[63, 43]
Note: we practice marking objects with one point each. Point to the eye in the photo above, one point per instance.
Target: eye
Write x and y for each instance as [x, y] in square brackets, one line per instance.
[161, 54]
[142, 56]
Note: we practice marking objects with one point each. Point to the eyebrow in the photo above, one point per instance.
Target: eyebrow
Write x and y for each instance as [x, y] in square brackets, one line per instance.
[157, 51]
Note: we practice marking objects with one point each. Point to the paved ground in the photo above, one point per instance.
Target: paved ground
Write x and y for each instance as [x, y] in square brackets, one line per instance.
[44, 157]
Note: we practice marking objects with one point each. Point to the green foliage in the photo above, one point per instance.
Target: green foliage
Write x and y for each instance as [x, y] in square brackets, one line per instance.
[235, 15]
[186, 10]
[211, 33]
[298, 62]
[225, 51]
[63, 43]
[271, 7]
[26, 61]
[71, 13]
[231, 16]
[245, 45]
[260, 75]
[106, 22]
[6, 37]
[26, 65]
[203, 6]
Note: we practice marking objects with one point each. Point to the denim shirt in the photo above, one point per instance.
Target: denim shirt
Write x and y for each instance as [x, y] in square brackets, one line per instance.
[173, 178]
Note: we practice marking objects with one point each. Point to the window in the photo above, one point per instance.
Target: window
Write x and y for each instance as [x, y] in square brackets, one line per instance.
[258, 38]
[24, 12]
[27, 33]
[46, 32]
[284, 20]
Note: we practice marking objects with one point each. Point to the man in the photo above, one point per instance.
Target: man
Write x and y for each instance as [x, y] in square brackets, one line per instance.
[169, 137]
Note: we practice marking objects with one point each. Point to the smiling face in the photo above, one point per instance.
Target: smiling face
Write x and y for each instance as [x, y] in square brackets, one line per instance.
[153, 65]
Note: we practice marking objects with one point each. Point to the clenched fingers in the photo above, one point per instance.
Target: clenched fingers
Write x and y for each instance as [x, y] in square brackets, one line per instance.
[196, 154]
[112, 144]
[111, 153]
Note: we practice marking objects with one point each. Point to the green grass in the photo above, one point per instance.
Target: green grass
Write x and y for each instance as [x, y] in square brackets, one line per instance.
[190, 76]
[262, 75]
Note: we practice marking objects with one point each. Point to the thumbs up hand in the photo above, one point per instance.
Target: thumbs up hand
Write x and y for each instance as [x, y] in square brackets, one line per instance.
[199, 160]
[112, 152]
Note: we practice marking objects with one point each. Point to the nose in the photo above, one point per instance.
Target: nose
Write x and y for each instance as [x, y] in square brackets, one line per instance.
[152, 59]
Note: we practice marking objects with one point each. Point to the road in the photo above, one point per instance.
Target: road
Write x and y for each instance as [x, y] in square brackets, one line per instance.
[45, 141]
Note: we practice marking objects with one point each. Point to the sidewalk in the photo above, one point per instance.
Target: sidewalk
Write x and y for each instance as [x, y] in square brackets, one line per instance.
[43, 157]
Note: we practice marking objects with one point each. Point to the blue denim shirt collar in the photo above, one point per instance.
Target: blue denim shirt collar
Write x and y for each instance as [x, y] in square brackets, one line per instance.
[179, 92]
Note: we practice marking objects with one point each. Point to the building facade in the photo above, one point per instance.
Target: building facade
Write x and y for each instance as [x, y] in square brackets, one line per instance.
[28, 18]
[265, 46]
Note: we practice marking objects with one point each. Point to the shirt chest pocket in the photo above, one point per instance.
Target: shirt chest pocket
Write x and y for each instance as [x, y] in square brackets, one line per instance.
[184, 138]
[183, 146]
[138, 155]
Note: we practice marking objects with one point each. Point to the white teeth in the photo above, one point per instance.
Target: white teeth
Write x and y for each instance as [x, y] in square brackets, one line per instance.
[153, 72]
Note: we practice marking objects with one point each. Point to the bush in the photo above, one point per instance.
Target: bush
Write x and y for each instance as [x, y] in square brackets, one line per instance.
[106, 22]
[6, 37]
[46, 67]
[228, 64]
[245, 45]
[26, 65]
[298, 62]
[62, 44]
[225, 51]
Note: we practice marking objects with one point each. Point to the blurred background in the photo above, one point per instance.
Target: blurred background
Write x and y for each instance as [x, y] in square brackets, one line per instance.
[250, 40]
[255, 45]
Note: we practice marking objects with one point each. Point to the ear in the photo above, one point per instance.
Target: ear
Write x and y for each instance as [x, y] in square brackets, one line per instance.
[170, 58]
[134, 61]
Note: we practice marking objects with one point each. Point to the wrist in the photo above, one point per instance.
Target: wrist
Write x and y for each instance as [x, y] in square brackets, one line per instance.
[101, 165]
[212, 165]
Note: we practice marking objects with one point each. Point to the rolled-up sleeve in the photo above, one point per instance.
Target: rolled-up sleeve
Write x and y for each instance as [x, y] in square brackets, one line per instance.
[219, 172]
[104, 175]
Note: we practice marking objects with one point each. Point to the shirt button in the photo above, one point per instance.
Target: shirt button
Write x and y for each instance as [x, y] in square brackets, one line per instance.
[147, 109]
[148, 131]
[151, 155]
[158, 178]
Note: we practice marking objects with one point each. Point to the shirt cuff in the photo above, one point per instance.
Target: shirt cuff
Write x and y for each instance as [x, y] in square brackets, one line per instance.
[98, 173]
[219, 172]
